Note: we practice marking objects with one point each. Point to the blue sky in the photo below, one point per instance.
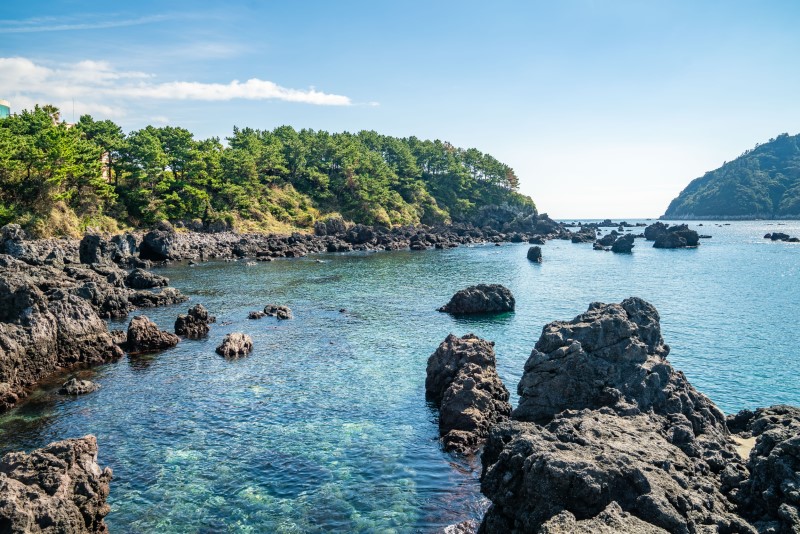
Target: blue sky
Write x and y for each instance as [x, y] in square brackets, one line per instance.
[604, 109]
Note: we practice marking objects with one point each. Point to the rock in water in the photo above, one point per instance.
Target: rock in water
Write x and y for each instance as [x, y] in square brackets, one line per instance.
[195, 324]
[258, 314]
[59, 488]
[604, 424]
[235, 345]
[535, 254]
[623, 244]
[141, 279]
[652, 232]
[462, 379]
[276, 310]
[482, 298]
[73, 386]
[145, 336]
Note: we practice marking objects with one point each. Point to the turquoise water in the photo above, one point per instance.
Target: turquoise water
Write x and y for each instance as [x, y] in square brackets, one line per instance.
[324, 427]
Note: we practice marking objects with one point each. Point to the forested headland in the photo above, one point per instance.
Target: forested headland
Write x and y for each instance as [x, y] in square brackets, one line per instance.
[60, 179]
[762, 183]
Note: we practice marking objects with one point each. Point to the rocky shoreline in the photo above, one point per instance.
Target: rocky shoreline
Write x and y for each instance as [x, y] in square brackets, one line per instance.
[608, 437]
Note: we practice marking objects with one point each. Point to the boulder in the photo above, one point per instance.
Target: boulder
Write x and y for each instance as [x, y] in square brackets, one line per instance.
[652, 232]
[258, 314]
[278, 311]
[670, 240]
[608, 239]
[463, 381]
[623, 244]
[59, 488]
[481, 298]
[159, 245]
[149, 299]
[535, 254]
[94, 249]
[145, 336]
[235, 345]
[607, 432]
[195, 323]
[585, 235]
[778, 236]
[141, 279]
[73, 386]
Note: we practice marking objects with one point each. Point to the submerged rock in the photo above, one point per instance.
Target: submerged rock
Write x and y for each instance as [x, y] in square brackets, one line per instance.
[195, 324]
[278, 311]
[58, 488]
[482, 298]
[235, 345]
[535, 254]
[607, 430]
[463, 381]
[73, 386]
[145, 336]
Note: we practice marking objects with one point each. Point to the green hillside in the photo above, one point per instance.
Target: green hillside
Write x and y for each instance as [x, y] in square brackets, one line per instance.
[57, 179]
[762, 183]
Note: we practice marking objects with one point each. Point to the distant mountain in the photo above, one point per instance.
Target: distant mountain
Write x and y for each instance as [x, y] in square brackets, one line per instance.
[762, 183]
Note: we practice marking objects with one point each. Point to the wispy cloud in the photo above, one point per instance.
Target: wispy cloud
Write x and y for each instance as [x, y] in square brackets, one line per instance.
[52, 24]
[99, 83]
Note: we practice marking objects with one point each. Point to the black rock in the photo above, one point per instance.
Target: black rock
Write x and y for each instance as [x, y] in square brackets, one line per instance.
[482, 298]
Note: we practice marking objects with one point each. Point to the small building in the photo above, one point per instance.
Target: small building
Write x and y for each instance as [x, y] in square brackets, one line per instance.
[5, 109]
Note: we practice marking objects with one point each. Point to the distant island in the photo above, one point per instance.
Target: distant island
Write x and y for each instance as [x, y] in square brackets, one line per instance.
[60, 179]
[762, 183]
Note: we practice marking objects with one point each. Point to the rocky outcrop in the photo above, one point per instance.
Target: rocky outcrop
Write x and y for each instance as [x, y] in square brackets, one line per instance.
[607, 430]
[145, 336]
[73, 386]
[94, 249]
[584, 235]
[462, 379]
[278, 311]
[195, 323]
[770, 496]
[666, 236]
[535, 254]
[482, 298]
[150, 299]
[59, 488]
[141, 279]
[780, 236]
[623, 244]
[235, 345]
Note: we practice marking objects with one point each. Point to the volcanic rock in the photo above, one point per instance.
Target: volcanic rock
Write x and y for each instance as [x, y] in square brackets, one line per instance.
[141, 279]
[482, 298]
[145, 336]
[59, 488]
[535, 254]
[278, 311]
[235, 345]
[73, 386]
[195, 324]
[623, 244]
[463, 381]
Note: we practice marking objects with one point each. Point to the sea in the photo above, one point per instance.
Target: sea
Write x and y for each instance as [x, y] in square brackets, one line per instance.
[325, 426]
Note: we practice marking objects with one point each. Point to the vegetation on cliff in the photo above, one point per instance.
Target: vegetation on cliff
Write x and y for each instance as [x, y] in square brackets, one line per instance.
[59, 179]
[762, 183]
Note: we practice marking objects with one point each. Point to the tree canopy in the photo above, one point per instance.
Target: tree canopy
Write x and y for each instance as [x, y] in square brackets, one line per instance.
[93, 174]
[762, 183]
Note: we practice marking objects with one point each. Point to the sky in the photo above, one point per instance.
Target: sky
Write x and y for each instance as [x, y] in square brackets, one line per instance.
[603, 108]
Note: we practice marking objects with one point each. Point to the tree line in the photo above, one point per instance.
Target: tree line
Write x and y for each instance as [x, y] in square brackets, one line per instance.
[57, 178]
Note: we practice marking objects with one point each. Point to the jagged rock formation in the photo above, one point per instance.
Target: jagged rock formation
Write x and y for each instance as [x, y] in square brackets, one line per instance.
[605, 424]
[145, 336]
[73, 386]
[463, 381]
[666, 236]
[235, 345]
[770, 496]
[141, 279]
[585, 234]
[278, 311]
[59, 488]
[482, 298]
[623, 244]
[195, 324]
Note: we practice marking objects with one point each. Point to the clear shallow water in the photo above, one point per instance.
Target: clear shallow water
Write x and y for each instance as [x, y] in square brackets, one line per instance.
[324, 427]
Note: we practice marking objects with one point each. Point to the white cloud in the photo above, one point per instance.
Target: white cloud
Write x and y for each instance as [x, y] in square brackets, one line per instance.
[52, 24]
[97, 83]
